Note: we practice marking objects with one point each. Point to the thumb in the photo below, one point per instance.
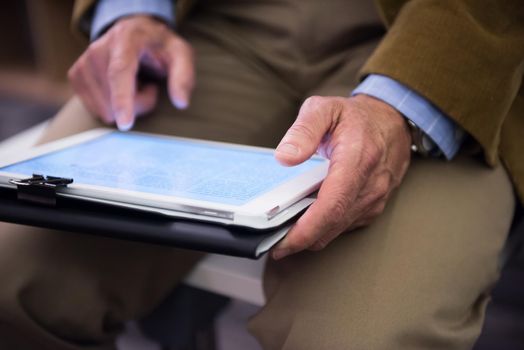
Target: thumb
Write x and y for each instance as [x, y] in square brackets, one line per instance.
[303, 138]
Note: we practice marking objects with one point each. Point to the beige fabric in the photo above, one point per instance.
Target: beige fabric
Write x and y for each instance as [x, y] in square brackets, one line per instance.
[417, 278]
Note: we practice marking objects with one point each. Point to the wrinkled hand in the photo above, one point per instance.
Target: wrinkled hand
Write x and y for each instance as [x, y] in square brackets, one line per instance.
[105, 76]
[368, 144]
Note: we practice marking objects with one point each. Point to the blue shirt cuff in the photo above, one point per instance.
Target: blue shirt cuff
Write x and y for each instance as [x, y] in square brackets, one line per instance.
[436, 125]
[108, 11]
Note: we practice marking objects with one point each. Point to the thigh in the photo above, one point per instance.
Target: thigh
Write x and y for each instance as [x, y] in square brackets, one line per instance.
[342, 80]
[419, 277]
[234, 100]
[61, 290]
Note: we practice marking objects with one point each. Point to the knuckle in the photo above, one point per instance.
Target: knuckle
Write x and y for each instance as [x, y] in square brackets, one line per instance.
[118, 101]
[96, 51]
[187, 85]
[327, 104]
[320, 244]
[74, 73]
[300, 241]
[118, 66]
[119, 28]
[302, 129]
[377, 210]
[372, 155]
[71, 73]
[96, 46]
[339, 209]
[118, 104]
[313, 101]
[186, 82]
[361, 223]
[181, 47]
[380, 208]
[382, 187]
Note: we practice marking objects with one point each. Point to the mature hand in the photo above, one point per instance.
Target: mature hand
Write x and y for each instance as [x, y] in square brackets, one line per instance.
[105, 76]
[368, 144]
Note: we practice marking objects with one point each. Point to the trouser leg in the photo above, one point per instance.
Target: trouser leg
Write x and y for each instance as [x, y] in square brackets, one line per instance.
[61, 290]
[419, 277]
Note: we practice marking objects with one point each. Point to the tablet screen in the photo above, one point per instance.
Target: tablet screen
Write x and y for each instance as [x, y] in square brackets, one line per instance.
[165, 166]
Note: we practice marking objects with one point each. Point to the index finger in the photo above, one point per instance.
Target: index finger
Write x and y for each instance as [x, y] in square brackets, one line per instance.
[121, 73]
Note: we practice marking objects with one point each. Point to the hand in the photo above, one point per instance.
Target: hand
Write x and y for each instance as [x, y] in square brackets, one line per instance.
[105, 76]
[368, 144]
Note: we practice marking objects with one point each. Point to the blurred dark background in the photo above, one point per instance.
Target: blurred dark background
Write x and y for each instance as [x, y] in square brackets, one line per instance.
[38, 48]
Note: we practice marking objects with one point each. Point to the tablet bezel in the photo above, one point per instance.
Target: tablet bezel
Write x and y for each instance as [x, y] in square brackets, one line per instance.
[256, 213]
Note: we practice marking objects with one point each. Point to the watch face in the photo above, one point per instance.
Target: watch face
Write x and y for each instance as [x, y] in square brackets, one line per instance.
[421, 143]
[427, 143]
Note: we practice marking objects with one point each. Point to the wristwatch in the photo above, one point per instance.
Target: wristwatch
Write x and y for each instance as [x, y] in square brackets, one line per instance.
[420, 143]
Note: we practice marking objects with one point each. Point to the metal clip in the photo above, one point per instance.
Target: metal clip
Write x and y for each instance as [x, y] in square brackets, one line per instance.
[40, 189]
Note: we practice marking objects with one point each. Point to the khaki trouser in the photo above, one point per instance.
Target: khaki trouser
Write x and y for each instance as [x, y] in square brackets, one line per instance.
[419, 277]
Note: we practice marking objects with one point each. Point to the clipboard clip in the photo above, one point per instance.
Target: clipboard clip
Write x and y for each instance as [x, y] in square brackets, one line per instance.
[40, 189]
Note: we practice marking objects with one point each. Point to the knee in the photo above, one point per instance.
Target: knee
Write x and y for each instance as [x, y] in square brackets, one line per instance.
[68, 308]
[366, 325]
[44, 292]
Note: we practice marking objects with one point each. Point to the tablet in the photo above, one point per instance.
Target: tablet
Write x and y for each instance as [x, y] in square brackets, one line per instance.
[181, 177]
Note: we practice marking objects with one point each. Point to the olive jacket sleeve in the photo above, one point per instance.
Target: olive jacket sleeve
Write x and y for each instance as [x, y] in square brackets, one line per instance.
[467, 57]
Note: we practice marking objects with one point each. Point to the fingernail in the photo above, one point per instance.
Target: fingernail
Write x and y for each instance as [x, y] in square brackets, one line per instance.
[122, 122]
[180, 103]
[288, 148]
[280, 253]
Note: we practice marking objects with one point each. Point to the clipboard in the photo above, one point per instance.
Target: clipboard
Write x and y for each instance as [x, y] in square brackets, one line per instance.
[34, 203]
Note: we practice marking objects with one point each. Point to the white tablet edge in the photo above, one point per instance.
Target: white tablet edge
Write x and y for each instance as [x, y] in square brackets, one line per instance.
[256, 212]
[276, 221]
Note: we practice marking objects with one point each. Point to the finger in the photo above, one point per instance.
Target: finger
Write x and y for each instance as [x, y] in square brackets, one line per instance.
[302, 235]
[95, 92]
[331, 213]
[324, 241]
[373, 198]
[363, 213]
[98, 62]
[145, 100]
[81, 92]
[371, 214]
[121, 73]
[314, 120]
[181, 73]
[376, 188]
[77, 78]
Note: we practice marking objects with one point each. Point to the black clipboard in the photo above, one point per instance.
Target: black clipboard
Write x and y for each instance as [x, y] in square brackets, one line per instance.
[35, 203]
